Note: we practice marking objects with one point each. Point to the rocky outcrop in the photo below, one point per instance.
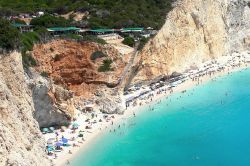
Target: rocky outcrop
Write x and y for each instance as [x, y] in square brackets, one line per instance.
[53, 104]
[21, 142]
[109, 101]
[195, 31]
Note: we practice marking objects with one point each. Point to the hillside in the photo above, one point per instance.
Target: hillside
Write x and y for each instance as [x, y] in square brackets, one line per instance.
[76, 65]
[102, 13]
[194, 33]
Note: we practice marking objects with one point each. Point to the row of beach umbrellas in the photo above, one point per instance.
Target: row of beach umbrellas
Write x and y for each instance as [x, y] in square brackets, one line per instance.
[60, 143]
[74, 125]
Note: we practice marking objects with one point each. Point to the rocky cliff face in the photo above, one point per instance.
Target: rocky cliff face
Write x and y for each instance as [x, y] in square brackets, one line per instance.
[53, 104]
[21, 142]
[72, 70]
[195, 31]
[69, 64]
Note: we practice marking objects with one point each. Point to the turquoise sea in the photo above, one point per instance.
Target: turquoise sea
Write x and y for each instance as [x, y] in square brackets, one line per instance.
[209, 125]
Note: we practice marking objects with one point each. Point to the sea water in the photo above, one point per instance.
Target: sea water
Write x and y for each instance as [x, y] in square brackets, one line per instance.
[209, 125]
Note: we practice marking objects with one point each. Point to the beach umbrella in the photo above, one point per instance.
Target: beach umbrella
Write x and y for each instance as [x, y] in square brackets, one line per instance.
[75, 125]
[45, 129]
[50, 148]
[65, 140]
[52, 128]
[59, 144]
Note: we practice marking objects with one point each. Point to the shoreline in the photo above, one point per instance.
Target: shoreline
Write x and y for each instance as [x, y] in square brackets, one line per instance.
[103, 127]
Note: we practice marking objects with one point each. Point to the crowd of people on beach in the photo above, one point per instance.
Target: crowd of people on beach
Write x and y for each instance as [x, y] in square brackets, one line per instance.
[207, 70]
[65, 140]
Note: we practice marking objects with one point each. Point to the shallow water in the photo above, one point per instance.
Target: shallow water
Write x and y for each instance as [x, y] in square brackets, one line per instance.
[207, 126]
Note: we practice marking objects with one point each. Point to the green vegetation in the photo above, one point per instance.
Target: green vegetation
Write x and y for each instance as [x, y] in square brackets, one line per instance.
[93, 38]
[49, 21]
[57, 58]
[6, 12]
[27, 42]
[9, 36]
[90, 38]
[11, 39]
[45, 74]
[129, 41]
[143, 41]
[44, 35]
[106, 65]
[103, 13]
[28, 60]
[72, 36]
[97, 54]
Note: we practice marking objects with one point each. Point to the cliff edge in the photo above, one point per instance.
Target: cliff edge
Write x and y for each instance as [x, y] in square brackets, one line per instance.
[20, 138]
[195, 31]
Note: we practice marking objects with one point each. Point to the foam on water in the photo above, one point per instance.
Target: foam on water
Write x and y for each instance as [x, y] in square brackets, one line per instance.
[208, 125]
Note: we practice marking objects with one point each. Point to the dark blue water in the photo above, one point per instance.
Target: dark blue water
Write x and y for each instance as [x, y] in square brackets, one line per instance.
[208, 126]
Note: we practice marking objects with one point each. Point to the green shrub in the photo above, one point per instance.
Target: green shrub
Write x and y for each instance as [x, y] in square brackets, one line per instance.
[71, 36]
[28, 60]
[93, 38]
[129, 41]
[106, 66]
[9, 36]
[45, 74]
[43, 33]
[49, 21]
[57, 58]
[143, 41]
[29, 39]
[97, 54]
[6, 12]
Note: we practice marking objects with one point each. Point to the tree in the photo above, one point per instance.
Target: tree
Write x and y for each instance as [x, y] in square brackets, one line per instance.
[49, 21]
[6, 12]
[143, 41]
[129, 41]
[9, 36]
[43, 33]
[106, 65]
[97, 54]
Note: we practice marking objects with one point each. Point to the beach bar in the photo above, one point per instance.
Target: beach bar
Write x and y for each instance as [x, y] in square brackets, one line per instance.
[63, 30]
[23, 27]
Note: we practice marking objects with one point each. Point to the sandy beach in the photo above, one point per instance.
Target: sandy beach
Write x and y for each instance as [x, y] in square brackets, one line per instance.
[100, 125]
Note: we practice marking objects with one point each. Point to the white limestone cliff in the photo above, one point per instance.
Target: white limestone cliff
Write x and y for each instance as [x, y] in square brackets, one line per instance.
[21, 142]
[195, 31]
